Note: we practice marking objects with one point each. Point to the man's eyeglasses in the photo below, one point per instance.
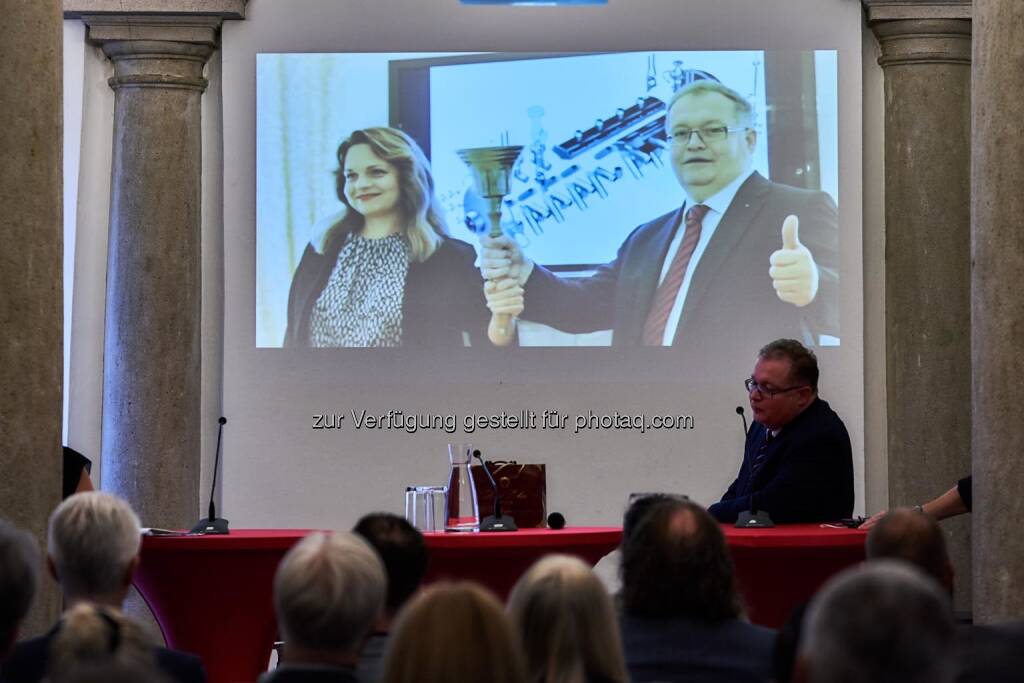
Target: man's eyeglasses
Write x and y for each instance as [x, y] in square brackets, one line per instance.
[708, 134]
[767, 392]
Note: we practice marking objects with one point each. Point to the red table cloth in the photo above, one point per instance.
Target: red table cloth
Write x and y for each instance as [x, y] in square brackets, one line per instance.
[212, 595]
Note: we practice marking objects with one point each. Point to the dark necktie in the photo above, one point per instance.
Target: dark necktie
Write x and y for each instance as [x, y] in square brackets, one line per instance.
[668, 290]
[762, 454]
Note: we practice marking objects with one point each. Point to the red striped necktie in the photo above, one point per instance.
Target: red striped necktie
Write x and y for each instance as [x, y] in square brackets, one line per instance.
[668, 290]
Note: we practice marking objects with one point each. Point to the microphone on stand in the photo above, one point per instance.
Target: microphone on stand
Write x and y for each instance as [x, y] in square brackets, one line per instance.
[743, 416]
[211, 524]
[497, 521]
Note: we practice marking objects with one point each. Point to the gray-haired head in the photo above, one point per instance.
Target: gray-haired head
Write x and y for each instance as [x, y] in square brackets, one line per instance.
[19, 577]
[93, 542]
[329, 591]
[881, 622]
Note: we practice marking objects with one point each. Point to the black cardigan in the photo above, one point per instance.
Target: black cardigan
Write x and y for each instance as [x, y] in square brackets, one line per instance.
[443, 304]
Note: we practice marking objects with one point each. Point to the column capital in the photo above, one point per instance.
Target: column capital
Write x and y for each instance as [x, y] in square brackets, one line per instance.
[898, 10]
[222, 9]
[921, 31]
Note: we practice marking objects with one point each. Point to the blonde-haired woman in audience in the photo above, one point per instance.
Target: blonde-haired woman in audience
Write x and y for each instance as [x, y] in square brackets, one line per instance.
[567, 624]
[97, 644]
[454, 633]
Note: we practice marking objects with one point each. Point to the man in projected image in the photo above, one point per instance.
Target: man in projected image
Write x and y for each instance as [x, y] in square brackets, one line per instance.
[740, 254]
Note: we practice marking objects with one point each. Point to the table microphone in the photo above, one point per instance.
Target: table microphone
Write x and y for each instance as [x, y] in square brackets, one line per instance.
[210, 524]
[754, 518]
[497, 521]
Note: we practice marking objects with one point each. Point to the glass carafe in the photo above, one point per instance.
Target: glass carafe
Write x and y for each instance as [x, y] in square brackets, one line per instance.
[463, 512]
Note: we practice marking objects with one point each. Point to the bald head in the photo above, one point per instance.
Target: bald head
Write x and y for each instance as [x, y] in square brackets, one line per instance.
[914, 537]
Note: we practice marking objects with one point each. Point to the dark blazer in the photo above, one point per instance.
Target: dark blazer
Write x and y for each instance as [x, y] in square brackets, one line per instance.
[689, 651]
[807, 475]
[730, 286]
[443, 304]
[27, 664]
[299, 673]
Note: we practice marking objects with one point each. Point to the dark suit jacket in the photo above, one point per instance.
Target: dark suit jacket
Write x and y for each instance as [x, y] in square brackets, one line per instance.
[730, 287]
[443, 301]
[27, 664]
[300, 673]
[807, 475]
[689, 651]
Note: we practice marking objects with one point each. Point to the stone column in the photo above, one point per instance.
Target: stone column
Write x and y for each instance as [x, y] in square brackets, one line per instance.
[997, 306]
[926, 59]
[151, 377]
[31, 303]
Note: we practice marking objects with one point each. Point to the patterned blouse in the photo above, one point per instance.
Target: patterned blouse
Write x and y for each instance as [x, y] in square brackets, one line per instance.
[361, 305]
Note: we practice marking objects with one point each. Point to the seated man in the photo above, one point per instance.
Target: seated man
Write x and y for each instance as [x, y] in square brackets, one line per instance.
[93, 548]
[682, 619]
[883, 622]
[797, 462]
[19, 567]
[329, 591]
[404, 553]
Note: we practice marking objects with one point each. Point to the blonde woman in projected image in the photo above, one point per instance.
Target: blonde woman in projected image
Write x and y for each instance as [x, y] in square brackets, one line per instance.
[566, 620]
[387, 273]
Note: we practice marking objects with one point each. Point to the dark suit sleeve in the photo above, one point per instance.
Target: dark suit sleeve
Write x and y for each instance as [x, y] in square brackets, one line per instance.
[570, 305]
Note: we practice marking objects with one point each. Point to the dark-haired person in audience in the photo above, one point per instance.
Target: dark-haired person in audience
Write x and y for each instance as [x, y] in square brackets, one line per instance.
[883, 622]
[903, 535]
[986, 653]
[96, 644]
[567, 623]
[93, 548]
[454, 633]
[329, 590]
[682, 618]
[19, 577]
[797, 461]
[403, 551]
[387, 273]
[908, 535]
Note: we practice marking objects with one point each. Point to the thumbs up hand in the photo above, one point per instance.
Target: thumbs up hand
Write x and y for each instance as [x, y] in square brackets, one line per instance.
[794, 273]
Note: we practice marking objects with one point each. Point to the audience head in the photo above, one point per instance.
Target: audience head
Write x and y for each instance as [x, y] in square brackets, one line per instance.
[402, 550]
[98, 644]
[452, 633]
[881, 622]
[639, 504]
[93, 544]
[913, 537]
[675, 563]
[19, 576]
[328, 592]
[567, 623]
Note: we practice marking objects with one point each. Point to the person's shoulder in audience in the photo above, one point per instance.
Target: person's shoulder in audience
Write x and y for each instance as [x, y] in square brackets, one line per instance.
[370, 668]
[990, 653]
[302, 673]
[27, 664]
[183, 667]
[682, 649]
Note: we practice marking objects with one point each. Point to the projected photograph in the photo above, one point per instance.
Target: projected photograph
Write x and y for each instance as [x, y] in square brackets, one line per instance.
[652, 199]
